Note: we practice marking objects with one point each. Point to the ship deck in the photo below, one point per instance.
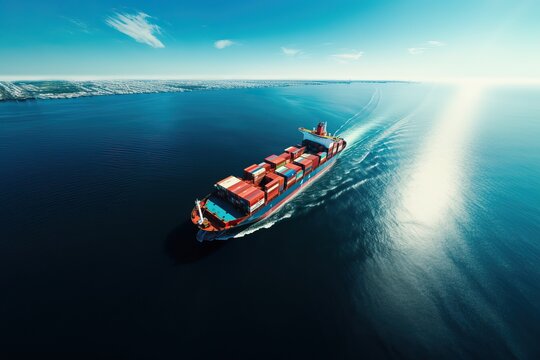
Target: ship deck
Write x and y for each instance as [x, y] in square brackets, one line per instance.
[222, 209]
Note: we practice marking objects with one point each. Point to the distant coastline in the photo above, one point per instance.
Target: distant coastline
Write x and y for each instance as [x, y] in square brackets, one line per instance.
[23, 90]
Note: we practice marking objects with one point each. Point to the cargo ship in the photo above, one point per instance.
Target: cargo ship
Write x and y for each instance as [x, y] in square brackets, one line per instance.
[264, 188]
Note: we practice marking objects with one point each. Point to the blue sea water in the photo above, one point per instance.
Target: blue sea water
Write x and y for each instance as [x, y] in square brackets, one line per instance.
[421, 242]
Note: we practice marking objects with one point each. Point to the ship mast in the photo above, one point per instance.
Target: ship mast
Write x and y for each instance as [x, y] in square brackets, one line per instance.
[201, 219]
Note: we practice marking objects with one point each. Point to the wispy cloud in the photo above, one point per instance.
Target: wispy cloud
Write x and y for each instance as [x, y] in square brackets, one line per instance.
[80, 25]
[416, 50]
[435, 43]
[425, 46]
[222, 44]
[137, 27]
[348, 56]
[291, 51]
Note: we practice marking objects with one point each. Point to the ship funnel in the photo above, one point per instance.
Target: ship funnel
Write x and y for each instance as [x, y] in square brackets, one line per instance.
[321, 129]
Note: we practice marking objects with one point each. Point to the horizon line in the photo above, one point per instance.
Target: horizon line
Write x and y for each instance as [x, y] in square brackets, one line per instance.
[485, 80]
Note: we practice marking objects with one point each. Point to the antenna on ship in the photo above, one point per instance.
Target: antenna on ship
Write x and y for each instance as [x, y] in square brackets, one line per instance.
[201, 219]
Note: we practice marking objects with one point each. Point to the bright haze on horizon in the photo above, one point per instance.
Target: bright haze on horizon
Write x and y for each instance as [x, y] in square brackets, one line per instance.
[402, 40]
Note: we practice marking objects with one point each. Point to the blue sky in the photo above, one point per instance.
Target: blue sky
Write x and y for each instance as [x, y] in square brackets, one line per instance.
[317, 39]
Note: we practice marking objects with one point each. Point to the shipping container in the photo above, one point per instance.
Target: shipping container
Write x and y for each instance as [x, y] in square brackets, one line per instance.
[250, 168]
[238, 187]
[304, 163]
[286, 156]
[295, 151]
[272, 195]
[275, 161]
[265, 165]
[257, 205]
[287, 173]
[271, 186]
[315, 159]
[255, 196]
[294, 167]
[271, 177]
[290, 182]
[254, 173]
[228, 182]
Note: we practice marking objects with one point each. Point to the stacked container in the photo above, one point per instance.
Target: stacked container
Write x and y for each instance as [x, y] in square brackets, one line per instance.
[322, 156]
[288, 174]
[287, 157]
[298, 173]
[245, 196]
[315, 159]
[272, 188]
[249, 198]
[266, 166]
[254, 173]
[305, 163]
[275, 161]
[295, 151]
[271, 177]
[224, 185]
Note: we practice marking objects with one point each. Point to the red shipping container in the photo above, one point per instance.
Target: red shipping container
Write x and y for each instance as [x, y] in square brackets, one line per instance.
[291, 149]
[247, 191]
[275, 161]
[291, 181]
[239, 187]
[296, 168]
[286, 156]
[314, 159]
[274, 176]
[271, 184]
[265, 165]
[255, 196]
[272, 195]
[303, 163]
[251, 168]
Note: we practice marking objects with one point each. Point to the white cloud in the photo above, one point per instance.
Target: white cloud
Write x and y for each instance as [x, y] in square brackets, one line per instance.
[80, 25]
[291, 51]
[137, 27]
[222, 44]
[416, 50]
[435, 43]
[346, 57]
[425, 46]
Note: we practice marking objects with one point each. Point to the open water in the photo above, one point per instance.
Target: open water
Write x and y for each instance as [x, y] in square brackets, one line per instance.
[423, 240]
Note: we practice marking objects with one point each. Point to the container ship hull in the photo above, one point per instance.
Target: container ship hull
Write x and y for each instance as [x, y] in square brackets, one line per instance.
[266, 188]
[269, 209]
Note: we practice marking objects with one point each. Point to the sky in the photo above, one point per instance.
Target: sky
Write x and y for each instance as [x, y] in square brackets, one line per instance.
[237, 39]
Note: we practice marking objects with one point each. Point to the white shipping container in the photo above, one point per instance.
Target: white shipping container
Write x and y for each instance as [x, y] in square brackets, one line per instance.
[228, 182]
[259, 172]
[256, 205]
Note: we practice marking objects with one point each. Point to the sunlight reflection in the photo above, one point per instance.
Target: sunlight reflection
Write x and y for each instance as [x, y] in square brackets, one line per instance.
[435, 188]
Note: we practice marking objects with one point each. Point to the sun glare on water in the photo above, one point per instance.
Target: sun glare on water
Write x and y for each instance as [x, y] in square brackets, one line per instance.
[435, 186]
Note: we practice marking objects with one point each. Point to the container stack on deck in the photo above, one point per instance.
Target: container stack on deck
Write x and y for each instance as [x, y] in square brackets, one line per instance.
[255, 173]
[240, 193]
[263, 182]
[276, 161]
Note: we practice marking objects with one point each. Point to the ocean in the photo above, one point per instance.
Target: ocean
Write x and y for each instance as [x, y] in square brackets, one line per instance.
[423, 241]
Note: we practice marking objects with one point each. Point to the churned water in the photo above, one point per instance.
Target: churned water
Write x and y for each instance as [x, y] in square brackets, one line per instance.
[423, 240]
